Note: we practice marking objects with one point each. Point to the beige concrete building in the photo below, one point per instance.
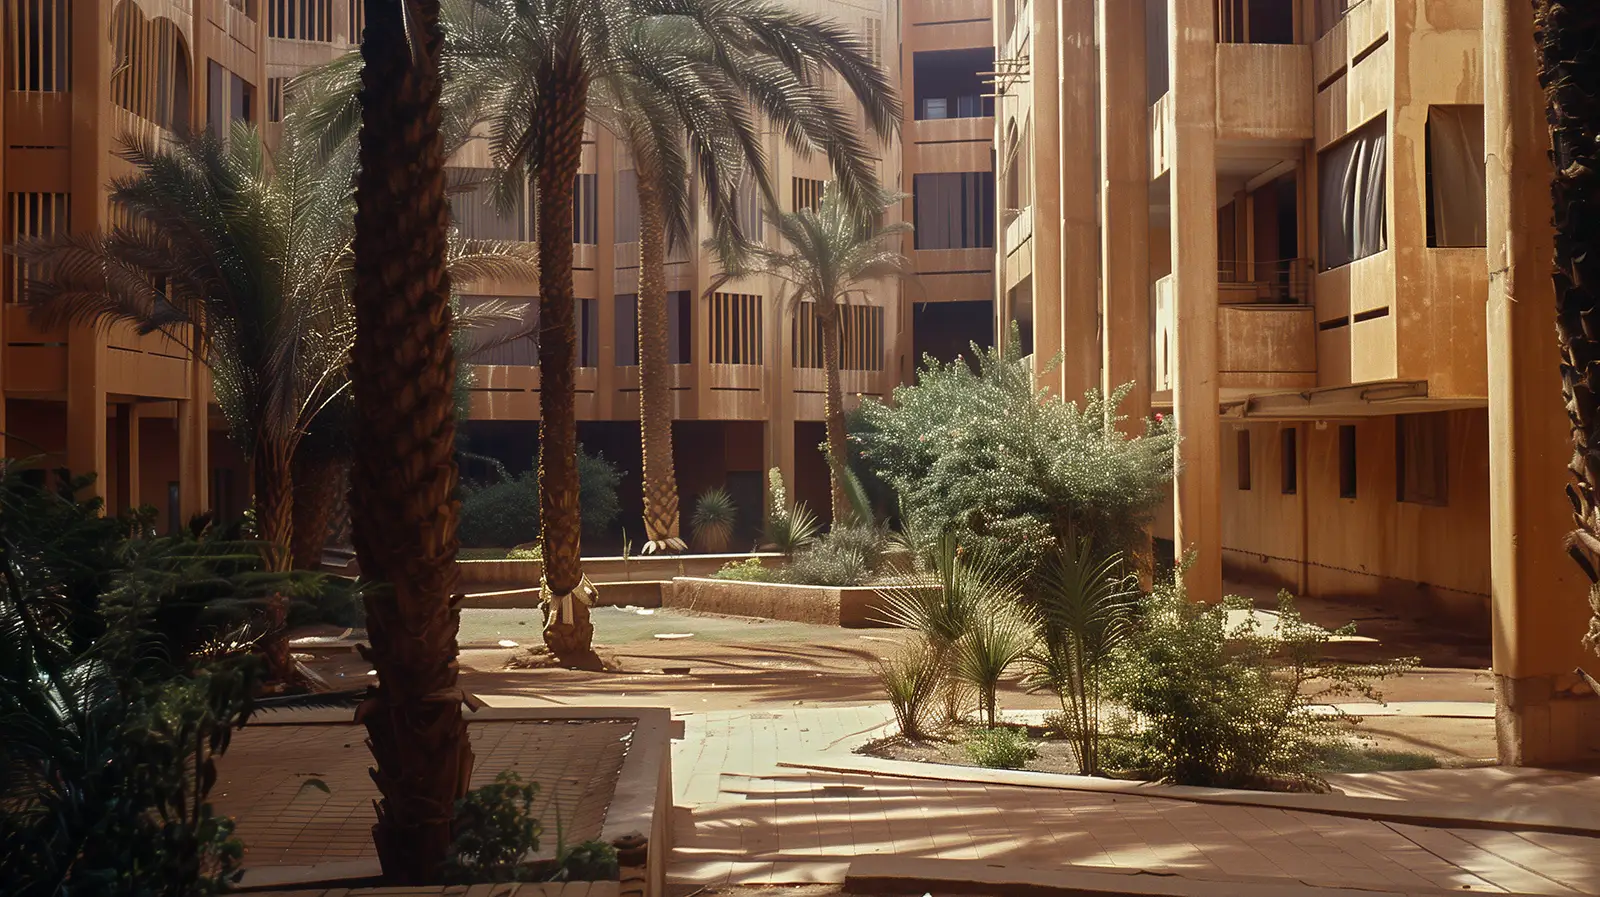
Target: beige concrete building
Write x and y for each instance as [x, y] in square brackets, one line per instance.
[747, 368]
[1274, 218]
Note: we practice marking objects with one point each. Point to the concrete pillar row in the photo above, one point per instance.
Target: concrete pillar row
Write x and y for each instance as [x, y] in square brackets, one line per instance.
[1197, 519]
[1125, 207]
[1544, 715]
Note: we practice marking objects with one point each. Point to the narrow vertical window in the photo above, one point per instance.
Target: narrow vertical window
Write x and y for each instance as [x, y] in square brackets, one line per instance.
[1242, 438]
[1290, 460]
[1347, 461]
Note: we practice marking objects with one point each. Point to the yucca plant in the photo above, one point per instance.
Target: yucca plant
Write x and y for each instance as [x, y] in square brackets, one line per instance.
[789, 528]
[1085, 606]
[1000, 636]
[911, 678]
[714, 518]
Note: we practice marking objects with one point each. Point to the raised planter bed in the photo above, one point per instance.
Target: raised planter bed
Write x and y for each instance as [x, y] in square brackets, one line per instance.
[497, 575]
[856, 607]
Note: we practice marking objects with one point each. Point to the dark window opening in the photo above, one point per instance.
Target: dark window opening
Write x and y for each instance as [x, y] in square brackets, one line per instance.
[950, 83]
[1347, 461]
[1353, 196]
[586, 209]
[953, 210]
[1457, 207]
[1255, 22]
[627, 329]
[588, 315]
[1421, 458]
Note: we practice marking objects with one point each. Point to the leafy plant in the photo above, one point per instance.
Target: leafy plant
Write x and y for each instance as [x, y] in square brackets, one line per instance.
[1085, 610]
[495, 832]
[788, 529]
[1000, 635]
[505, 513]
[749, 570]
[979, 448]
[588, 861]
[714, 517]
[1229, 706]
[1002, 748]
[911, 677]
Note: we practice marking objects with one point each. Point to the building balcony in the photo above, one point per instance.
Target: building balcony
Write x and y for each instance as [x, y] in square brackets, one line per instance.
[1264, 92]
[950, 145]
[934, 12]
[1266, 327]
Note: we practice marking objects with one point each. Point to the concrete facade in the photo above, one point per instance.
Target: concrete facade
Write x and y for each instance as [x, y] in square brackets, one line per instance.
[748, 383]
[1309, 260]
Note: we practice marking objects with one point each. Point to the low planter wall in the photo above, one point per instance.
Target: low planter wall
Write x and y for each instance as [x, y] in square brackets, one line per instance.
[855, 607]
[509, 574]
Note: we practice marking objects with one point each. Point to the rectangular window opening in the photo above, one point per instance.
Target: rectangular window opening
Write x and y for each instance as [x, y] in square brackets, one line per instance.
[1242, 438]
[1289, 457]
[1456, 179]
[1421, 458]
[1353, 192]
[1347, 461]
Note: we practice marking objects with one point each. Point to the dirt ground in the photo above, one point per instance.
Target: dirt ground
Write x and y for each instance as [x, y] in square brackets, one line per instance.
[732, 663]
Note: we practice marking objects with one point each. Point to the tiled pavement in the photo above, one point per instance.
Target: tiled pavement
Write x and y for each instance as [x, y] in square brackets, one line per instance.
[284, 822]
[750, 821]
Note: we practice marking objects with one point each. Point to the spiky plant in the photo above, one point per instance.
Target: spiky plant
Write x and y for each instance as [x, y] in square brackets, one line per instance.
[714, 517]
[1001, 635]
[1568, 32]
[829, 258]
[1084, 603]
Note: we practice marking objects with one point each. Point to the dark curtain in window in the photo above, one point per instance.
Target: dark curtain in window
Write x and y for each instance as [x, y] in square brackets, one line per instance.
[954, 210]
[1353, 196]
[1456, 178]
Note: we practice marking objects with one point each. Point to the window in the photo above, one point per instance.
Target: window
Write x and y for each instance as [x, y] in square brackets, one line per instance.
[39, 45]
[507, 342]
[1457, 211]
[1242, 439]
[1255, 22]
[241, 97]
[748, 212]
[678, 330]
[1347, 461]
[31, 215]
[587, 314]
[358, 20]
[150, 73]
[1289, 459]
[626, 207]
[807, 193]
[476, 213]
[735, 328]
[1421, 458]
[953, 211]
[1353, 196]
[872, 36]
[860, 338]
[275, 99]
[627, 329]
[585, 208]
[949, 83]
[680, 335]
[300, 19]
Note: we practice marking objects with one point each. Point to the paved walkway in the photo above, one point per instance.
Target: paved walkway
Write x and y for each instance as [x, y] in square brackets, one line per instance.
[750, 821]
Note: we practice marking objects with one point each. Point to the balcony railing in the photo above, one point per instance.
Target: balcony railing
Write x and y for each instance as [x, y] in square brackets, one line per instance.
[1332, 12]
[1281, 282]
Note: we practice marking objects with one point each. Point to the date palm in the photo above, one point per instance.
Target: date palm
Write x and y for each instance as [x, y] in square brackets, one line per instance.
[832, 255]
[544, 65]
[403, 480]
[1568, 32]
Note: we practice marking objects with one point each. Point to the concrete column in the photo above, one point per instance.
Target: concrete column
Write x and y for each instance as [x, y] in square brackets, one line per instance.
[1539, 606]
[1080, 212]
[1125, 207]
[1197, 521]
[90, 154]
[194, 445]
[1046, 162]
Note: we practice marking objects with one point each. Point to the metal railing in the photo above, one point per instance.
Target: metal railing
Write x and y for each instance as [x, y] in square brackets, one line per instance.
[1280, 282]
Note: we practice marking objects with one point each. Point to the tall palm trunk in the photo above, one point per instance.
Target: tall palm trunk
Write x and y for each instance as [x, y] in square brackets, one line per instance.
[274, 507]
[317, 478]
[655, 368]
[403, 480]
[833, 412]
[1568, 33]
[568, 631]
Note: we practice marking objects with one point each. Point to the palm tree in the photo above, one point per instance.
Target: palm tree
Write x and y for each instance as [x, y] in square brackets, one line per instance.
[403, 480]
[833, 254]
[1568, 32]
[541, 63]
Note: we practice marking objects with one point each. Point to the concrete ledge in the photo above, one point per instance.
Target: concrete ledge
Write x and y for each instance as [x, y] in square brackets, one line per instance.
[893, 875]
[486, 575]
[641, 801]
[822, 605]
[1573, 818]
[636, 593]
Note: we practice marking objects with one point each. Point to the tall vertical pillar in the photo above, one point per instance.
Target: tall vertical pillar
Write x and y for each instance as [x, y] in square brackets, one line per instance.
[1125, 206]
[1046, 174]
[1538, 596]
[1080, 214]
[1197, 529]
[194, 448]
[90, 154]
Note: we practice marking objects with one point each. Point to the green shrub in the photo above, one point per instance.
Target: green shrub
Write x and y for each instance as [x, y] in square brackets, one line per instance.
[788, 529]
[504, 514]
[846, 556]
[588, 861]
[1230, 706]
[982, 449]
[1002, 748]
[495, 831]
[748, 570]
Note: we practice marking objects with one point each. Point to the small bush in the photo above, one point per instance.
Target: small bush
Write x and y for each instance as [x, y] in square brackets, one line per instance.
[846, 556]
[1230, 707]
[748, 570]
[495, 829]
[911, 678]
[589, 861]
[1003, 748]
[713, 520]
[506, 513]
